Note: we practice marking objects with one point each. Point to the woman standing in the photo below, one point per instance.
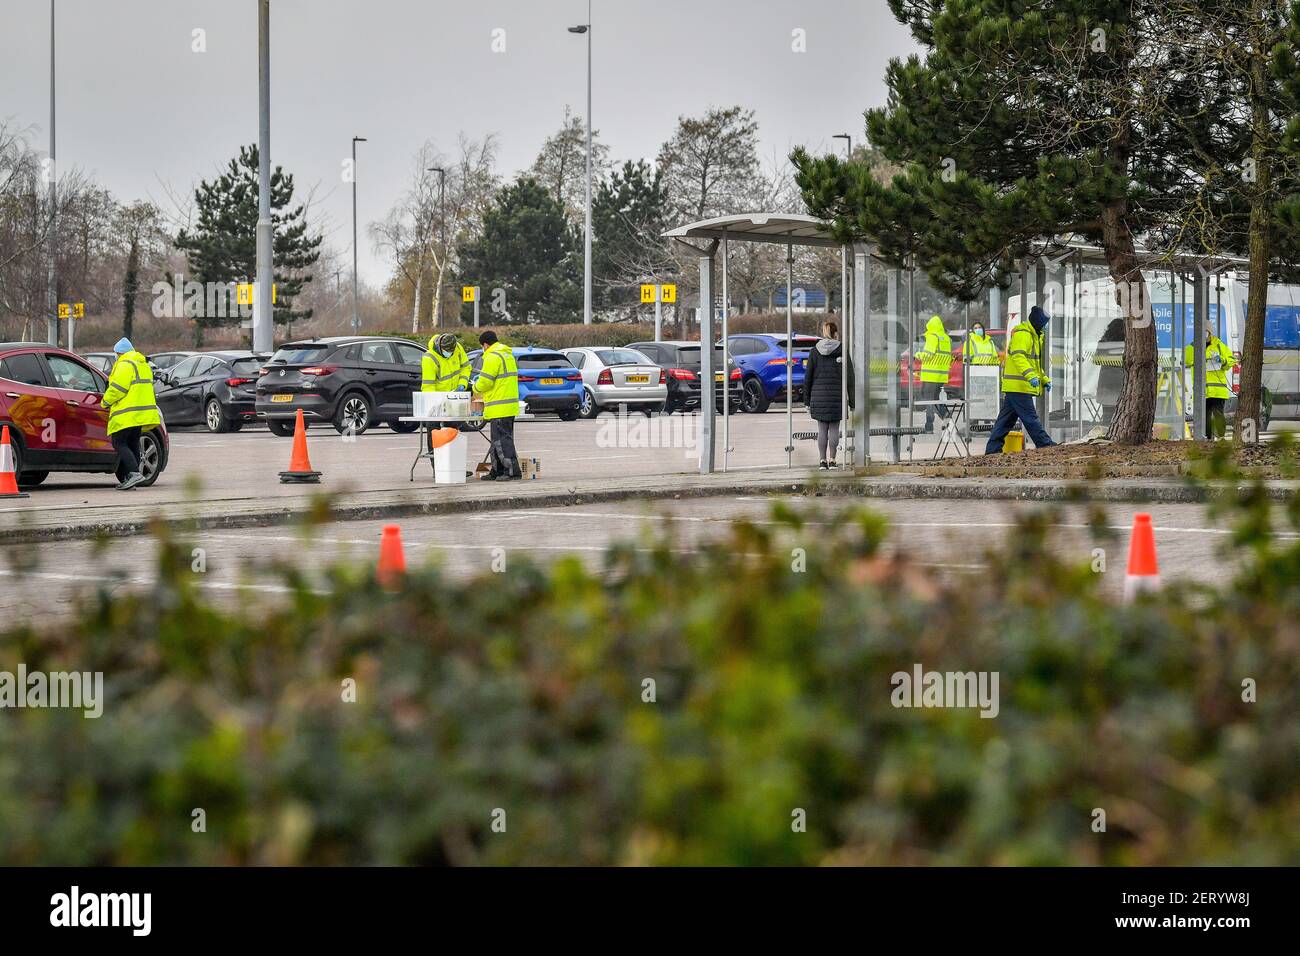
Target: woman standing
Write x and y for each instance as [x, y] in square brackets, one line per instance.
[822, 385]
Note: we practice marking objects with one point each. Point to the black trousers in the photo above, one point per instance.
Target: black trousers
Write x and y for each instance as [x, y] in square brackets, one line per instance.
[505, 460]
[126, 443]
[1216, 423]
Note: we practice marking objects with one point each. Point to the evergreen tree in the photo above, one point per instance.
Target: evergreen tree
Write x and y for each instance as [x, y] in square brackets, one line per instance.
[528, 250]
[1028, 121]
[222, 248]
[629, 215]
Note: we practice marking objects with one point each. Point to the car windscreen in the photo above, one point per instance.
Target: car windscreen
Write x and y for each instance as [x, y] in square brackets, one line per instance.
[622, 357]
[246, 366]
[299, 354]
[543, 360]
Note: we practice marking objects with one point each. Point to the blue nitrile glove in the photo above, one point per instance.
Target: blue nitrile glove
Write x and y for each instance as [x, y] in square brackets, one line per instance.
[1047, 386]
[1033, 383]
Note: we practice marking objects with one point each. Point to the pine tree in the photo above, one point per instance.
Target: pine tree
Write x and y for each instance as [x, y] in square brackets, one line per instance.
[222, 248]
[629, 216]
[528, 250]
[1028, 121]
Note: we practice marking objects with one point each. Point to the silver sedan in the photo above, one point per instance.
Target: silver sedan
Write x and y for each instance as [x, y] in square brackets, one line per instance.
[618, 376]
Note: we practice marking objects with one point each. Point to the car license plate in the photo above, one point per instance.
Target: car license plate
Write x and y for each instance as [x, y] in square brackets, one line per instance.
[717, 377]
[552, 381]
[638, 379]
[282, 398]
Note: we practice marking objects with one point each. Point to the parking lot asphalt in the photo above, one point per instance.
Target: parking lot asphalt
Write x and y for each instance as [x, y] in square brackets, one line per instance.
[948, 536]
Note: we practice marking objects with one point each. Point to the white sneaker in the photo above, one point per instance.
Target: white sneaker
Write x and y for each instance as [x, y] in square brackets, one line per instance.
[130, 481]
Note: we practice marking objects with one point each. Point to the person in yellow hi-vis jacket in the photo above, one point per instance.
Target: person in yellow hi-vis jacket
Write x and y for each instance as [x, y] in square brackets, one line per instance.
[498, 385]
[1218, 360]
[936, 360]
[1023, 379]
[132, 408]
[979, 348]
[444, 368]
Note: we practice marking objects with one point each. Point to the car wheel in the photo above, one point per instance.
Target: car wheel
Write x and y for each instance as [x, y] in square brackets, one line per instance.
[753, 398]
[215, 418]
[570, 415]
[281, 427]
[30, 479]
[152, 460]
[353, 414]
[587, 406]
[404, 428]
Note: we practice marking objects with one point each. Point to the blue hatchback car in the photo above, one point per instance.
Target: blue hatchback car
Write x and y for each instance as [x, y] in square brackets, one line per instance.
[548, 382]
[761, 358]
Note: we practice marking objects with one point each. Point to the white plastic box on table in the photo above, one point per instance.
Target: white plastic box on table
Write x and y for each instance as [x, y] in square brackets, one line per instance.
[449, 462]
[437, 404]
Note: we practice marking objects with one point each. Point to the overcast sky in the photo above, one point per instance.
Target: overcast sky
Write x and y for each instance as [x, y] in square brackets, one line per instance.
[138, 109]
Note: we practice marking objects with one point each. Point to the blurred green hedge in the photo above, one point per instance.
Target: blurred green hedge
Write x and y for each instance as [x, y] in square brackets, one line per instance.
[523, 691]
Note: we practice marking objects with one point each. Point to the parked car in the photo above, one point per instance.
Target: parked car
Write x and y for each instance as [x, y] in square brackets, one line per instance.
[548, 382]
[761, 358]
[681, 361]
[956, 386]
[613, 377]
[165, 360]
[40, 384]
[351, 381]
[101, 361]
[216, 389]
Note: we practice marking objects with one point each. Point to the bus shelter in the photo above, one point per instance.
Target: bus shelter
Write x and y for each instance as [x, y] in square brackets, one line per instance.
[886, 307]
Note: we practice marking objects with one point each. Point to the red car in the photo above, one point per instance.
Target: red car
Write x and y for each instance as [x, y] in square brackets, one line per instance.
[956, 372]
[49, 398]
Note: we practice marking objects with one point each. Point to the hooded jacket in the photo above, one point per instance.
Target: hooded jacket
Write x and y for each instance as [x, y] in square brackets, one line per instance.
[129, 397]
[1025, 356]
[936, 356]
[822, 378]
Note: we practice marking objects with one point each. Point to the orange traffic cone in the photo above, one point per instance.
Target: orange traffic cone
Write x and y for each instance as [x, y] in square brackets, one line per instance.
[1143, 569]
[8, 478]
[392, 560]
[299, 464]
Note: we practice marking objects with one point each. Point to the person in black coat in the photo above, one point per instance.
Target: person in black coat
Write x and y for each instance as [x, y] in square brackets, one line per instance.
[822, 383]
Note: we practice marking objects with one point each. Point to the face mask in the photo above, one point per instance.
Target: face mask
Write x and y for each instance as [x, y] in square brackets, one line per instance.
[977, 331]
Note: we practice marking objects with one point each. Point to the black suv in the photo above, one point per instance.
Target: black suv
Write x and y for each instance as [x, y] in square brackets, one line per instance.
[351, 381]
[213, 389]
[681, 363]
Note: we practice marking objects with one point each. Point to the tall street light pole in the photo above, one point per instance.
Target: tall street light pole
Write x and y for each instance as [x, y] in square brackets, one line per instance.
[263, 317]
[586, 258]
[442, 230]
[356, 316]
[51, 288]
[848, 144]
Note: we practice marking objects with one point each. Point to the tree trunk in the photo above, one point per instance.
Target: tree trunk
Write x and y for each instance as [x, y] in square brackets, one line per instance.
[1135, 411]
[415, 309]
[1261, 214]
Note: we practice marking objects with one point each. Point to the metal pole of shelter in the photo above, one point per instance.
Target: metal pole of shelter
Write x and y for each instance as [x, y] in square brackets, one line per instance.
[51, 276]
[707, 403]
[1200, 319]
[847, 338]
[861, 359]
[789, 357]
[726, 354]
[263, 317]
